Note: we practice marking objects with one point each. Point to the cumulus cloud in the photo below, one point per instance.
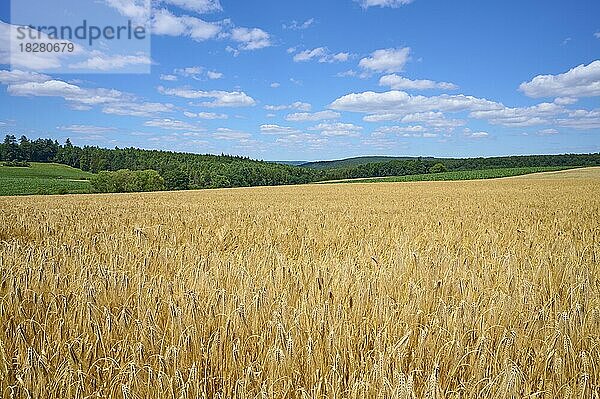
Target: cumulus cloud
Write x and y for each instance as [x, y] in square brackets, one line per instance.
[198, 6]
[312, 117]
[322, 55]
[400, 103]
[214, 75]
[295, 25]
[31, 84]
[386, 60]
[137, 10]
[547, 132]
[404, 131]
[251, 38]
[475, 135]
[221, 98]
[338, 129]
[580, 119]
[383, 3]
[166, 23]
[229, 134]
[11, 55]
[17, 76]
[276, 129]
[436, 120]
[168, 78]
[397, 82]
[302, 140]
[300, 106]
[205, 115]
[172, 124]
[581, 81]
[539, 114]
[197, 73]
[98, 61]
[86, 129]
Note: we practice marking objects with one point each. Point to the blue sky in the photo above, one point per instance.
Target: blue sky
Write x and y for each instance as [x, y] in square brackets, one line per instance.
[314, 80]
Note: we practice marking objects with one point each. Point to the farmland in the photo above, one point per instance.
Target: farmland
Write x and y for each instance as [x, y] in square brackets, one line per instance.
[458, 289]
[495, 173]
[43, 178]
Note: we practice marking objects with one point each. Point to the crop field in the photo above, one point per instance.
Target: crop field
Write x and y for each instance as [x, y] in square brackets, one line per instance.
[466, 289]
[494, 173]
[43, 178]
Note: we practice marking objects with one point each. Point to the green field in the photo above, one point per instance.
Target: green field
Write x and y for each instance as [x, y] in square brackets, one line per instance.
[43, 178]
[459, 175]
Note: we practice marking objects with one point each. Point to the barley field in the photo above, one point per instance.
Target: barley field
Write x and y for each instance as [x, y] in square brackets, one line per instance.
[474, 289]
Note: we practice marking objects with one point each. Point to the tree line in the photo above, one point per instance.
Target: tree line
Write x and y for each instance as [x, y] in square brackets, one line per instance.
[181, 171]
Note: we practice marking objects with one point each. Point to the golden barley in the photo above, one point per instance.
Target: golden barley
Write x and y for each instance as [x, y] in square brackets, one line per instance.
[440, 290]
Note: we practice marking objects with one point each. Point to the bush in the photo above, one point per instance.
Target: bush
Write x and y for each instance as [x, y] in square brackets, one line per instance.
[127, 181]
[17, 164]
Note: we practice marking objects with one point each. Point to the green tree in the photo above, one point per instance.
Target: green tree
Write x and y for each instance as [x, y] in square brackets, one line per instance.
[438, 168]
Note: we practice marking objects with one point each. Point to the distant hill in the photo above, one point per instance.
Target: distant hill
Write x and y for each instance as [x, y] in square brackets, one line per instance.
[289, 163]
[349, 162]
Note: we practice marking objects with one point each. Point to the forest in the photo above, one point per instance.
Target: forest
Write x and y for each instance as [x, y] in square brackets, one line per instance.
[182, 171]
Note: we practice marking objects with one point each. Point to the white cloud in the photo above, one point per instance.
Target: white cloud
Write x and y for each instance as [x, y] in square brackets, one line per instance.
[348, 73]
[221, 98]
[597, 35]
[338, 129]
[404, 131]
[29, 84]
[396, 82]
[547, 132]
[275, 85]
[383, 3]
[303, 140]
[229, 134]
[312, 117]
[18, 76]
[99, 61]
[401, 130]
[298, 105]
[435, 120]
[10, 54]
[206, 115]
[172, 124]
[386, 60]
[166, 23]
[197, 73]
[581, 119]
[520, 117]
[138, 10]
[295, 25]
[400, 103]
[251, 39]
[168, 78]
[581, 81]
[198, 6]
[138, 109]
[214, 75]
[475, 135]
[565, 100]
[189, 72]
[86, 129]
[276, 129]
[322, 55]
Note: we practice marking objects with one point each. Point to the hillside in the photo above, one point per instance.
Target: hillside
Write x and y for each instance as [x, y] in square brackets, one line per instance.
[356, 161]
[43, 178]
